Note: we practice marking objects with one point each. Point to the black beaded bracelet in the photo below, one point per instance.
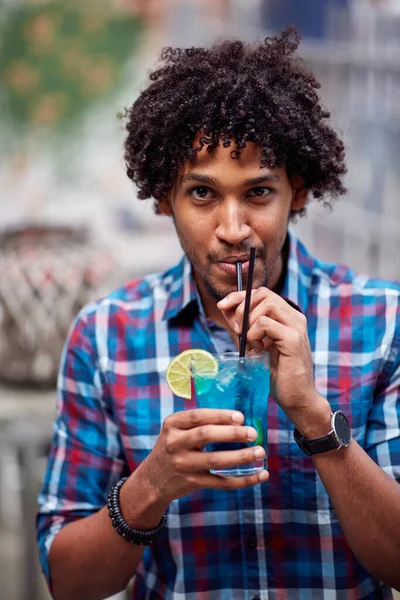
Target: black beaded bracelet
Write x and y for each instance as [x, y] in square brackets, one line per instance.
[138, 537]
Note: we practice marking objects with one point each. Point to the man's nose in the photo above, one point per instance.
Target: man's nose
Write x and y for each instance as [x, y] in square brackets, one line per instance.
[232, 225]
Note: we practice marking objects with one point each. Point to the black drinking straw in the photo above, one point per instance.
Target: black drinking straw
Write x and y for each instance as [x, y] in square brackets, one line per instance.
[239, 282]
[243, 339]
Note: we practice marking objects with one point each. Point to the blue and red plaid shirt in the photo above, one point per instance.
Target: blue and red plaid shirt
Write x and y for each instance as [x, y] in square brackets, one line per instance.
[279, 540]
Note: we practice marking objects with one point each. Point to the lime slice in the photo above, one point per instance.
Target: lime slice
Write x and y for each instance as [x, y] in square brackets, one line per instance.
[259, 429]
[178, 371]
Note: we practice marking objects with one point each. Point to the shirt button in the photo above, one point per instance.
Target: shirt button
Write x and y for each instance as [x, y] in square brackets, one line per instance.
[252, 543]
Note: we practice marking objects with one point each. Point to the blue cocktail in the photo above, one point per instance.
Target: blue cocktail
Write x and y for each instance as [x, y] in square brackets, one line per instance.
[239, 384]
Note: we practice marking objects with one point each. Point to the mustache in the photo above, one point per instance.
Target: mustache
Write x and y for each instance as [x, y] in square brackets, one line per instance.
[243, 249]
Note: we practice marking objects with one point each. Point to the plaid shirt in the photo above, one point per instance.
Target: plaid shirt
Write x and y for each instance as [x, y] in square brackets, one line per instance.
[279, 540]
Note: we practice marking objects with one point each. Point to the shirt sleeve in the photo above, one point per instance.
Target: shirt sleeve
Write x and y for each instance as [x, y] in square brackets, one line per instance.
[383, 427]
[86, 456]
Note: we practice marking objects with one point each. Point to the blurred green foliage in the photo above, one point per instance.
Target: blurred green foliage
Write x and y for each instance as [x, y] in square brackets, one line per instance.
[57, 58]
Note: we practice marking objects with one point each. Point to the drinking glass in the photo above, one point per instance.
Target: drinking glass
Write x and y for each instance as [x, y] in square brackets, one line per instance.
[239, 384]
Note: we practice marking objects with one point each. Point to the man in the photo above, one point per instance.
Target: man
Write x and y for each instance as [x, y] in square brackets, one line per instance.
[230, 142]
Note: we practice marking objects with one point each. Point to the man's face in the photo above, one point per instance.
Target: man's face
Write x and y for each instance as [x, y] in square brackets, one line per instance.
[221, 207]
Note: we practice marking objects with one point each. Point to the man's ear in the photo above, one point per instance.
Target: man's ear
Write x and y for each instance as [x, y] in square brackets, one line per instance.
[164, 206]
[300, 193]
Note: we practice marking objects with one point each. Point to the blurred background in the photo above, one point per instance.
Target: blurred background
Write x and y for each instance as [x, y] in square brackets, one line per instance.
[70, 226]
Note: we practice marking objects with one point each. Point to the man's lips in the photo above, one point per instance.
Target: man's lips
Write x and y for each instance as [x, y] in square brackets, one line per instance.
[230, 267]
[235, 259]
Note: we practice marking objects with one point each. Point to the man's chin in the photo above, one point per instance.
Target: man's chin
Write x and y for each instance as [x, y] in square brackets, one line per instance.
[218, 292]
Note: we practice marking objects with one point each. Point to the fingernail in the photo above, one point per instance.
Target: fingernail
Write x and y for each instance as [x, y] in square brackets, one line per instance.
[259, 452]
[223, 301]
[237, 417]
[236, 327]
[263, 476]
[251, 433]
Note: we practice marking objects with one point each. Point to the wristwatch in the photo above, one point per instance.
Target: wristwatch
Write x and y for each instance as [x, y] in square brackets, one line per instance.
[338, 437]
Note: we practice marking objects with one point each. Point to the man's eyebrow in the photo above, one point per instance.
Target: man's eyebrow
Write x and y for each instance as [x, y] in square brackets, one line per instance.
[262, 179]
[199, 178]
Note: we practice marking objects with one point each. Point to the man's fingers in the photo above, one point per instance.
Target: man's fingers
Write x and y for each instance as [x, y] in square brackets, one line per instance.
[194, 464]
[265, 326]
[283, 313]
[263, 302]
[197, 417]
[231, 301]
[288, 341]
[234, 299]
[232, 306]
[198, 437]
[217, 482]
[225, 459]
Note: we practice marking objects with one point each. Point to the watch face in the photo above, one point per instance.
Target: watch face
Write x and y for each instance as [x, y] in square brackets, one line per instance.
[342, 429]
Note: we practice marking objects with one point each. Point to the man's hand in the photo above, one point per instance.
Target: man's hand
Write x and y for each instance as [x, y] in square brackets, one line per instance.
[280, 329]
[177, 464]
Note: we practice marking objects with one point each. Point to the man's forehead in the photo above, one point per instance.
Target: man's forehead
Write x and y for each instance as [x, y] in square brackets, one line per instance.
[221, 158]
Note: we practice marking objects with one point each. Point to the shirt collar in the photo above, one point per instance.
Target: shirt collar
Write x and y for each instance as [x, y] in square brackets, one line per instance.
[183, 290]
[299, 272]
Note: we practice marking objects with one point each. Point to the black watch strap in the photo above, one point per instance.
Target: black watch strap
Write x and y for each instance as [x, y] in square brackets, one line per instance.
[317, 446]
[338, 437]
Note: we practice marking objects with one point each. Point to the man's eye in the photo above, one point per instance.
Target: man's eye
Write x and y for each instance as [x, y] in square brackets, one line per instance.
[200, 192]
[260, 191]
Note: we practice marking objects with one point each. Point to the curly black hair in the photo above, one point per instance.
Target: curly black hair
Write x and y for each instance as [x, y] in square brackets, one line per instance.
[233, 93]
